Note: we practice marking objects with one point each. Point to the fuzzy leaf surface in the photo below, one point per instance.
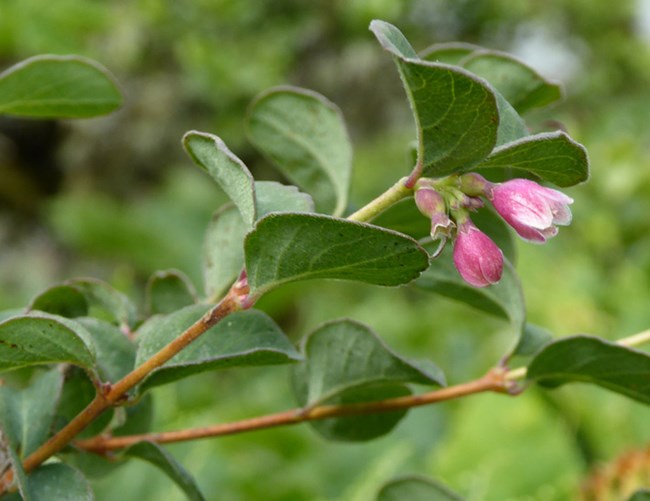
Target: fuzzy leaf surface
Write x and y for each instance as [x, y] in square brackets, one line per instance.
[289, 247]
[211, 154]
[42, 339]
[551, 156]
[456, 114]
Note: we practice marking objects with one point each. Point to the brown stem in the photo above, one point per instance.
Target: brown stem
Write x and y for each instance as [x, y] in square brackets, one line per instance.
[115, 393]
[492, 381]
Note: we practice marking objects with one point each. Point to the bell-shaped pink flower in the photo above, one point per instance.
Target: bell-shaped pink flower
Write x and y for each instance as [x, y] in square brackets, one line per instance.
[476, 257]
[532, 210]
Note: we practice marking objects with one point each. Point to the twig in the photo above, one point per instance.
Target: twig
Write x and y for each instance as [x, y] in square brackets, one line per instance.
[493, 381]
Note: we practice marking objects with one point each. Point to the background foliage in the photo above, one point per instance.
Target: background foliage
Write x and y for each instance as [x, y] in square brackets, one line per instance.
[197, 65]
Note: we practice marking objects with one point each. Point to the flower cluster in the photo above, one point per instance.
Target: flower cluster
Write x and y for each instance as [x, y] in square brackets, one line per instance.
[532, 210]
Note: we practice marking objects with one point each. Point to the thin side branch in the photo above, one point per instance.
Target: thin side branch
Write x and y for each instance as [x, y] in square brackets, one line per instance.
[493, 381]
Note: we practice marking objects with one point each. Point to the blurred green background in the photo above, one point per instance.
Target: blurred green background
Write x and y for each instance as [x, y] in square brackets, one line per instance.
[115, 198]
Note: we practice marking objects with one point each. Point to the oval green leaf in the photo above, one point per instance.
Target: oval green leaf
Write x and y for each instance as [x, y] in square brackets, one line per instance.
[242, 339]
[346, 362]
[456, 113]
[211, 154]
[58, 87]
[551, 156]
[590, 359]
[289, 247]
[44, 339]
[304, 135]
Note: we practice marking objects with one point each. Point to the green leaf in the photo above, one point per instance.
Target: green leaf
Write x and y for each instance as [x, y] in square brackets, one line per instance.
[86, 296]
[78, 392]
[160, 458]
[504, 299]
[115, 352]
[519, 84]
[304, 135]
[58, 481]
[345, 362]
[211, 154]
[456, 114]
[593, 360]
[44, 339]
[223, 250]
[19, 473]
[276, 197]
[63, 300]
[168, 291]
[511, 125]
[553, 157]
[242, 339]
[58, 87]
[27, 415]
[288, 247]
[416, 488]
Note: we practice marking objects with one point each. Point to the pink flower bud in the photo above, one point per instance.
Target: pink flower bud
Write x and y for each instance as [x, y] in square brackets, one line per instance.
[476, 257]
[429, 201]
[431, 204]
[532, 210]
